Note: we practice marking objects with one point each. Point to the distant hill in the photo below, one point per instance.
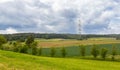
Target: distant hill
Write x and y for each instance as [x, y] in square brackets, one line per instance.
[53, 35]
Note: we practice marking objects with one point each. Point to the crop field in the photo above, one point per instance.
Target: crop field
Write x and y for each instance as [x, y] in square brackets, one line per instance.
[17, 61]
[64, 42]
[75, 50]
[72, 46]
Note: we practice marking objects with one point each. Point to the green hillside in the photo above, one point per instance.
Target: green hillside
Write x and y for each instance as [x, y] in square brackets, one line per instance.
[17, 61]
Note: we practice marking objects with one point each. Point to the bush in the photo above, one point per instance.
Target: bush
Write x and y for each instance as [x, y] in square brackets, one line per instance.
[63, 52]
[82, 50]
[94, 51]
[7, 48]
[23, 49]
[114, 53]
[104, 53]
[39, 51]
[34, 51]
[29, 40]
[2, 41]
[16, 46]
[22, 39]
[10, 43]
[34, 48]
[53, 52]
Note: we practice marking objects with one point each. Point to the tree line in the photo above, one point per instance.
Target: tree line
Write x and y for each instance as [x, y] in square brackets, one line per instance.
[23, 36]
[30, 47]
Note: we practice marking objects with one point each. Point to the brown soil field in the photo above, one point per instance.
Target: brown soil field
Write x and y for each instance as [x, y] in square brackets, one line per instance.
[66, 43]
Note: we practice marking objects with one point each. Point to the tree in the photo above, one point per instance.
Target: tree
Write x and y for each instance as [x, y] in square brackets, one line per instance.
[22, 39]
[94, 51]
[82, 50]
[118, 38]
[10, 42]
[114, 52]
[16, 46]
[2, 40]
[34, 48]
[29, 40]
[23, 49]
[39, 51]
[53, 52]
[63, 52]
[104, 53]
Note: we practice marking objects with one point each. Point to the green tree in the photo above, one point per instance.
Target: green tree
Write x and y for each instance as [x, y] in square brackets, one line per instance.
[22, 39]
[40, 51]
[16, 46]
[2, 41]
[82, 50]
[34, 48]
[114, 52]
[63, 52]
[29, 40]
[10, 42]
[94, 51]
[23, 49]
[104, 53]
[53, 52]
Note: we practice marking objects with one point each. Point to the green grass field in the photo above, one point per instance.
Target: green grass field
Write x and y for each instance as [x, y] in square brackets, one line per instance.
[72, 48]
[17, 61]
[75, 50]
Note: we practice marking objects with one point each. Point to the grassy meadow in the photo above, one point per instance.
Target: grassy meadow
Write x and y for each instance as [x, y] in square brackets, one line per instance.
[17, 61]
[73, 60]
[72, 45]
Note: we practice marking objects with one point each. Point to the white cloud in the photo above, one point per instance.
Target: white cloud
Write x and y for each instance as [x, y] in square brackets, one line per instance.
[113, 27]
[57, 15]
[8, 31]
[3, 1]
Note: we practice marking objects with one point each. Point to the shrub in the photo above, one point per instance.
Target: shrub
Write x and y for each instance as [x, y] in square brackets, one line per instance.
[23, 49]
[34, 48]
[29, 40]
[94, 51]
[2, 41]
[6, 47]
[63, 52]
[114, 52]
[22, 39]
[53, 52]
[82, 50]
[10, 42]
[39, 51]
[16, 46]
[104, 53]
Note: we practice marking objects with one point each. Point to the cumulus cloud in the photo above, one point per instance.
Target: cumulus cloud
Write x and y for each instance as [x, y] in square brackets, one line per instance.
[59, 16]
[2, 1]
[8, 31]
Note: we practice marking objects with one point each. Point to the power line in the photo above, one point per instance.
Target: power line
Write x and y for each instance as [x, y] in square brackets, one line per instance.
[79, 28]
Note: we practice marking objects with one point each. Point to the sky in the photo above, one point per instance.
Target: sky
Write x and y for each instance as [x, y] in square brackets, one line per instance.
[60, 16]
